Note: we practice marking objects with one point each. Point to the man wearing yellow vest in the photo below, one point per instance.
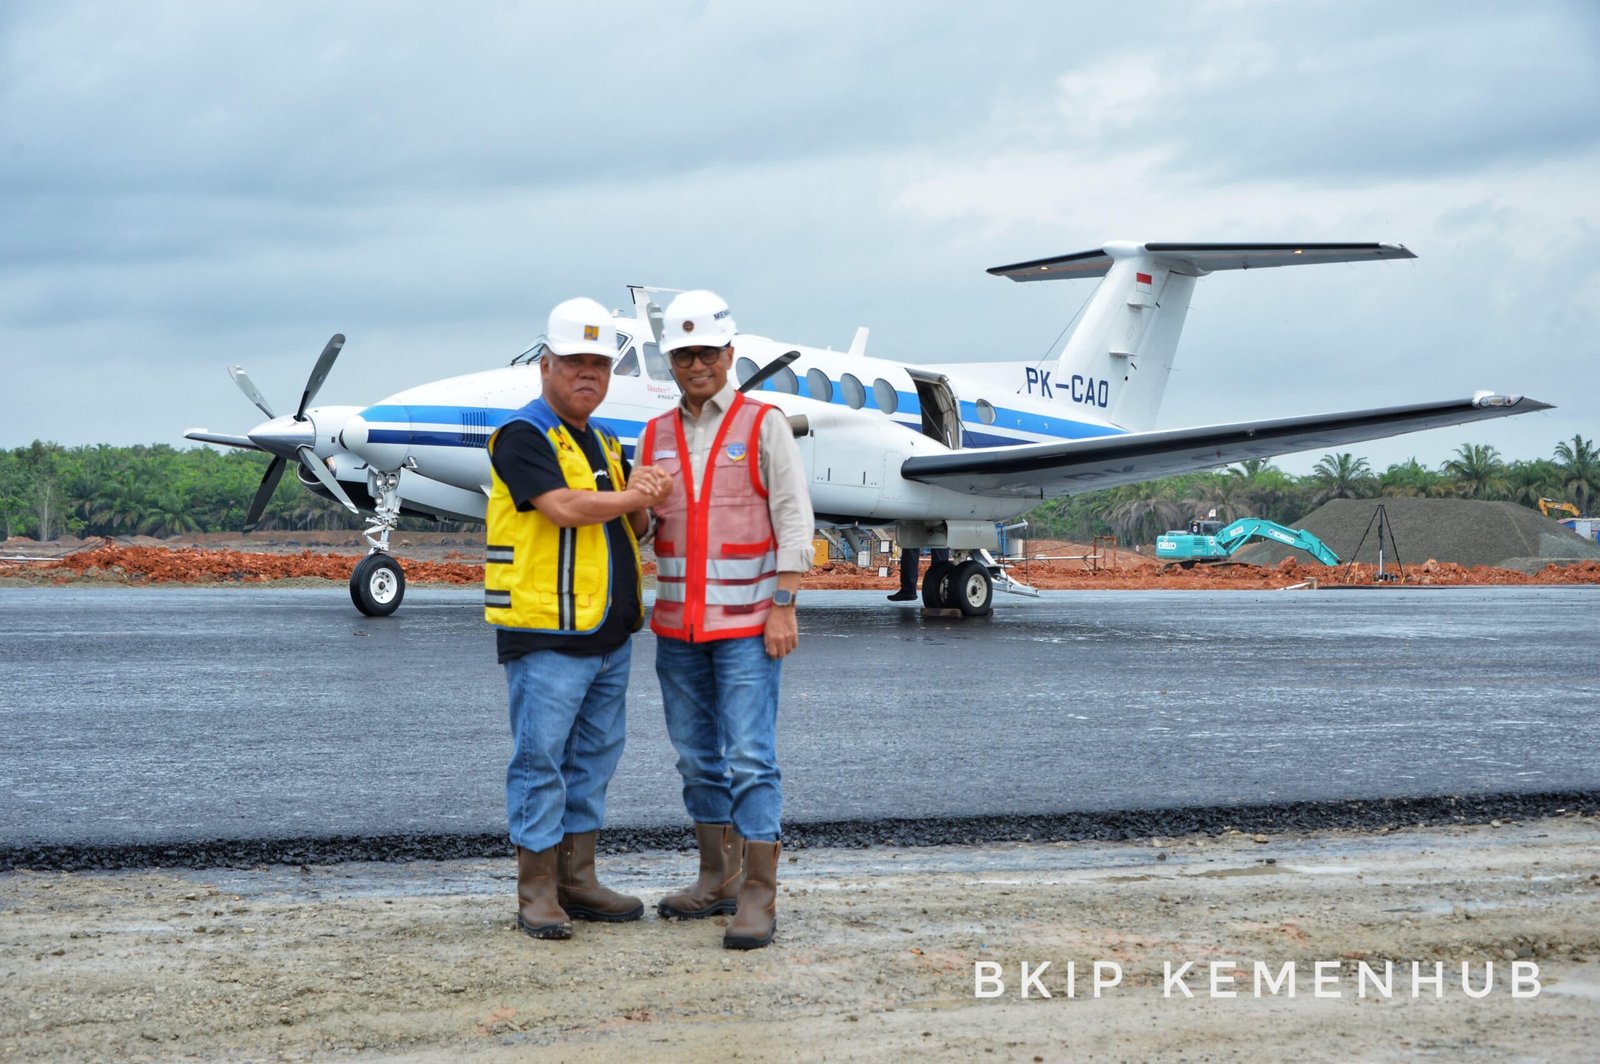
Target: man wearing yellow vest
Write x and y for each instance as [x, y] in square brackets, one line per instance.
[732, 540]
[562, 586]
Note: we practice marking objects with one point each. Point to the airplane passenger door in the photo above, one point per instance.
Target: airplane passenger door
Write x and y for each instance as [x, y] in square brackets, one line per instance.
[941, 416]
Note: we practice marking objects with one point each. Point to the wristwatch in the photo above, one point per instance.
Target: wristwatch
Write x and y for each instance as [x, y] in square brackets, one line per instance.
[781, 597]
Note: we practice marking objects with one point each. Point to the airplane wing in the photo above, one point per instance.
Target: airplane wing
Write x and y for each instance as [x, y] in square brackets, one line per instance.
[1052, 470]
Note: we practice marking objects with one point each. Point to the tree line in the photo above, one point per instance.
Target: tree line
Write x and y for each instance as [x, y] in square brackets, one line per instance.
[47, 490]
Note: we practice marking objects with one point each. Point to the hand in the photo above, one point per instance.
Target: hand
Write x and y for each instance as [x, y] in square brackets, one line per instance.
[782, 634]
[652, 483]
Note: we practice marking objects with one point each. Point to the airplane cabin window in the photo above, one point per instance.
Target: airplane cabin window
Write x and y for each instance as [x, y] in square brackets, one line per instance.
[628, 364]
[985, 412]
[655, 363]
[743, 369]
[854, 393]
[883, 394]
[785, 381]
[818, 384]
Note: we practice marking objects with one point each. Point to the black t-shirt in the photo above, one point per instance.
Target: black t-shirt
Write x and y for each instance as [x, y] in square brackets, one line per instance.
[525, 461]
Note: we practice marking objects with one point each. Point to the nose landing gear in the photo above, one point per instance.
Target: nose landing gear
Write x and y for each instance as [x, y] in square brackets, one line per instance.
[378, 584]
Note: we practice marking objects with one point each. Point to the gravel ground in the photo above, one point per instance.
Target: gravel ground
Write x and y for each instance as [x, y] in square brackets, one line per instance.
[875, 957]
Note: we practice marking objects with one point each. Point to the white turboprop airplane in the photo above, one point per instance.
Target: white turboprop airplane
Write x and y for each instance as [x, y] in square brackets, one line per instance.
[942, 452]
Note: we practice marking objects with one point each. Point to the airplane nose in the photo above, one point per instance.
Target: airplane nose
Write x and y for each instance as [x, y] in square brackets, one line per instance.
[283, 435]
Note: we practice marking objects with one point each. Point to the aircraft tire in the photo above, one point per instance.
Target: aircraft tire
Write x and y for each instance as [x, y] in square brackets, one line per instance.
[377, 585]
[937, 586]
[971, 589]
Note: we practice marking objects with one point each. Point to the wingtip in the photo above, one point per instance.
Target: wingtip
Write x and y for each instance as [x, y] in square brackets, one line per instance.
[1522, 404]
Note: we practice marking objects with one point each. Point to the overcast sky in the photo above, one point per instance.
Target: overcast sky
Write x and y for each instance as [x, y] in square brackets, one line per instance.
[189, 185]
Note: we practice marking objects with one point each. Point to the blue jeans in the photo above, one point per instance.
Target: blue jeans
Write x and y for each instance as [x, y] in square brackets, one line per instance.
[721, 702]
[568, 721]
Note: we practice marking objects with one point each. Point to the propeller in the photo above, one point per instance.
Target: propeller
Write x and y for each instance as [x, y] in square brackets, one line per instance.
[269, 484]
[768, 370]
[248, 387]
[319, 373]
[309, 459]
[290, 437]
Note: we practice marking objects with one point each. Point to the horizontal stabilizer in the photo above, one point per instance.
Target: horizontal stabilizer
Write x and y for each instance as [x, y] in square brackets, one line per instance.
[1198, 259]
[1052, 470]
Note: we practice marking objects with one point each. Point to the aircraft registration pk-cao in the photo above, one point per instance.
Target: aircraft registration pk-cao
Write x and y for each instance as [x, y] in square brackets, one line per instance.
[942, 452]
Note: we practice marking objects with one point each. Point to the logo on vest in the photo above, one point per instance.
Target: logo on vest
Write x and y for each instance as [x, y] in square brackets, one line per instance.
[736, 452]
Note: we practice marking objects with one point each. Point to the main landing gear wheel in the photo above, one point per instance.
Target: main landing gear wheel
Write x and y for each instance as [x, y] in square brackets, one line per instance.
[377, 585]
[970, 589]
[936, 586]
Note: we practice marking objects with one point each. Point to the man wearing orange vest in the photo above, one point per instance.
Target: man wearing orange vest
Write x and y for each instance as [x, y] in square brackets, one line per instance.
[732, 540]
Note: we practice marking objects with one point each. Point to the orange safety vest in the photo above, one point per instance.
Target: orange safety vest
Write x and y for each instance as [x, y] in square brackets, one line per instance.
[716, 553]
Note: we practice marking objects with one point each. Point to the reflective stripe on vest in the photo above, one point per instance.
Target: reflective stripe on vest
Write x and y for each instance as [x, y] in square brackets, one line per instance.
[716, 555]
[538, 576]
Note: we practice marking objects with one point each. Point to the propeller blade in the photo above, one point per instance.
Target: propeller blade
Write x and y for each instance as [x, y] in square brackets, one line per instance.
[309, 459]
[248, 387]
[269, 483]
[768, 370]
[319, 373]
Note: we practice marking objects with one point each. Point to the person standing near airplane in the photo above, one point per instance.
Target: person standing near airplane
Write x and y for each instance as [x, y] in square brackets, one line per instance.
[562, 585]
[732, 541]
[910, 562]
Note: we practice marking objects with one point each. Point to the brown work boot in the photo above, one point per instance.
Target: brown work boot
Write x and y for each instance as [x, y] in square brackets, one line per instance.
[756, 919]
[580, 893]
[721, 872]
[538, 912]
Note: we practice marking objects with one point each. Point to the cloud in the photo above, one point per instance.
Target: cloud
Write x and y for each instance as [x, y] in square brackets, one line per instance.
[186, 186]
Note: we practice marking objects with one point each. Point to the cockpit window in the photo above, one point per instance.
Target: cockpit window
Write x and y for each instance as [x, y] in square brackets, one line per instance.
[628, 364]
[531, 355]
[656, 364]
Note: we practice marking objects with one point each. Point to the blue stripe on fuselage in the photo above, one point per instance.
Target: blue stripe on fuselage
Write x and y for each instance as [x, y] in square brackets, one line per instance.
[478, 423]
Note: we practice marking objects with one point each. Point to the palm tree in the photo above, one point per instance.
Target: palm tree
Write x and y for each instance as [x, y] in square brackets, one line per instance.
[1477, 471]
[1227, 493]
[1342, 476]
[1410, 479]
[117, 508]
[1142, 512]
[1580, 472]
[168, 515]
[1528, 482]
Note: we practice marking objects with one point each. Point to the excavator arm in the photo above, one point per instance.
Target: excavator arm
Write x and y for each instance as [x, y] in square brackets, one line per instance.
[1242, 531]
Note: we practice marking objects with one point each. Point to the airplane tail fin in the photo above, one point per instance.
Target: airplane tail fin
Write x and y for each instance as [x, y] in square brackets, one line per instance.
[1118, 358]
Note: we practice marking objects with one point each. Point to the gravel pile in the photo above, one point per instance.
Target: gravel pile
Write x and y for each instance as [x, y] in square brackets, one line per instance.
[1468, 533]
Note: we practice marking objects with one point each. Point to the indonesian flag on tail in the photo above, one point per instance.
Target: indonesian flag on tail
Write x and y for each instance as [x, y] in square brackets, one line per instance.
[1143, 281]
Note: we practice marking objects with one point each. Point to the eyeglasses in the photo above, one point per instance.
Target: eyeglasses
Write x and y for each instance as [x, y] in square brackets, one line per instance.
[684, 357]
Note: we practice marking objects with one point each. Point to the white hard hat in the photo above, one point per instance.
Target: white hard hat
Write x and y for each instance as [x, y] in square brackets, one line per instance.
[581, 327]
[697, 319]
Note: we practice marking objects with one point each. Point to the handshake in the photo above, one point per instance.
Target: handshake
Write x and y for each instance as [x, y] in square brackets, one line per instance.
[651, 482]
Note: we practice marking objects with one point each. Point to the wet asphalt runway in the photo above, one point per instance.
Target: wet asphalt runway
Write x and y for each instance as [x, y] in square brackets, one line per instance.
[147, 716]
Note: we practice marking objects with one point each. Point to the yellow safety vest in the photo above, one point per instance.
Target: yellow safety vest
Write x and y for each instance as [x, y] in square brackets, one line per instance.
[538, 576]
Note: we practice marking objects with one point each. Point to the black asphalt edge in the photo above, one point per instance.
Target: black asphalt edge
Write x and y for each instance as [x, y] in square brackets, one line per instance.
[1361, 814]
